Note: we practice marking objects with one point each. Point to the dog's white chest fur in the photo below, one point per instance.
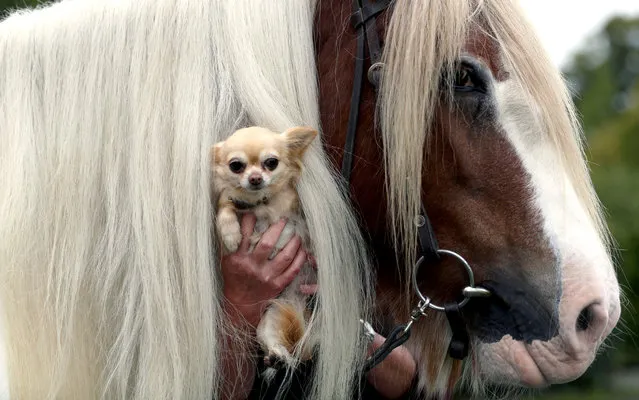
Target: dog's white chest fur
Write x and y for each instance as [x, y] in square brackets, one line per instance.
[275, 210]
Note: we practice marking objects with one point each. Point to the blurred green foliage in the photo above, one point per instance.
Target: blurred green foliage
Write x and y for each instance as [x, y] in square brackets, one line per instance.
[604, 77]
[8, 5]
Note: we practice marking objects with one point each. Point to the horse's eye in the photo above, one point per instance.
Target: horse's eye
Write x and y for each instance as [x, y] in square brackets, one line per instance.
[236, 166]
[271, 163]
[470, 78]
[464, 78]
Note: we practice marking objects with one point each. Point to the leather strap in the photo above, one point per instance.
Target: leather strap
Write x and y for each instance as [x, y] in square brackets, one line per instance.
[349, 146]
[427, 241]
[365, 15]
[459, 343]
[363, 20]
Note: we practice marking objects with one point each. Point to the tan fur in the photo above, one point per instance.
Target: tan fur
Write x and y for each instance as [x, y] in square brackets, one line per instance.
[292, 326]
[283, 326]
[252, 146]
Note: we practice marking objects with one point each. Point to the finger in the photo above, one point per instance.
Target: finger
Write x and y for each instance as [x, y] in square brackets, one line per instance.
[287, 276]
[267, 242]
[247, 226]
[286, 256]
[313, 261]
[308, 289]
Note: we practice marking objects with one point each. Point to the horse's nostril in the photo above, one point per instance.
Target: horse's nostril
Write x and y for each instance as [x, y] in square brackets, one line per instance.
[585, 318]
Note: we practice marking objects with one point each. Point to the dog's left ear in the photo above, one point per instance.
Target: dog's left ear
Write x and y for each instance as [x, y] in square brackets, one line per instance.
[299, 138]
[214, 153]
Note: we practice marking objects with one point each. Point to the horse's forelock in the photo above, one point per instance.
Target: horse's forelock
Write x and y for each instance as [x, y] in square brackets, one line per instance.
[423, 41]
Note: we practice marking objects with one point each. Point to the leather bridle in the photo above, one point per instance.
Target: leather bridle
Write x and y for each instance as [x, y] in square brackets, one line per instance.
[363, 20]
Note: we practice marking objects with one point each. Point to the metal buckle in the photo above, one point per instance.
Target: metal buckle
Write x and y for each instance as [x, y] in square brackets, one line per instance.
[368, 331]
[374, 72]
[469, 291]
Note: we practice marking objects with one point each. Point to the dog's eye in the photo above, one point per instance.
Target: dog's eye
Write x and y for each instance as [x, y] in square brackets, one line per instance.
[271, 163]
[236, 166]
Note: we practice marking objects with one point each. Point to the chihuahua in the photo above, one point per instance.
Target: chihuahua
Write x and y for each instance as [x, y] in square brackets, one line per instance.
[256, 170]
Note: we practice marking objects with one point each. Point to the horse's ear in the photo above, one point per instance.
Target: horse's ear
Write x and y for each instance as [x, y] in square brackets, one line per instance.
[299, 138]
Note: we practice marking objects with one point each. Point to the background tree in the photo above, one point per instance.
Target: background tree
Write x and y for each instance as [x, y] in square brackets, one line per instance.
[604, 76]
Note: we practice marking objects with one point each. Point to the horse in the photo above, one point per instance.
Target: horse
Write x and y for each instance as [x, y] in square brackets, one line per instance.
[109, 278]
[495, 155]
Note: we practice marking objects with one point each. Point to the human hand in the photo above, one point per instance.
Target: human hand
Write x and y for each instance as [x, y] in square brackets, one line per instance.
[393, 377]
[251, 279]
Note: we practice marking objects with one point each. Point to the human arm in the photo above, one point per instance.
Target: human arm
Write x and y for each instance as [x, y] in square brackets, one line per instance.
[250, 281]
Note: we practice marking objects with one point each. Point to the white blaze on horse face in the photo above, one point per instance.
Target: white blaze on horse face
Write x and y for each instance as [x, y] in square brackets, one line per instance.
[589, 307]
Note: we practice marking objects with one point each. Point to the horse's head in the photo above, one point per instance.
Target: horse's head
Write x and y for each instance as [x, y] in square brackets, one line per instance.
[477, 125]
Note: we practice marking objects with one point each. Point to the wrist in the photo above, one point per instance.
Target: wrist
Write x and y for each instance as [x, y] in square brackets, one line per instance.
[243, 315]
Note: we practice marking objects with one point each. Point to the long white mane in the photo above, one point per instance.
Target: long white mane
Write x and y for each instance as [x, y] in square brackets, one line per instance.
[109, 279]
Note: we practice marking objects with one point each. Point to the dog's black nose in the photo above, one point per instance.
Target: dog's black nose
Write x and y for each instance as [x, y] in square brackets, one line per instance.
[255, 180]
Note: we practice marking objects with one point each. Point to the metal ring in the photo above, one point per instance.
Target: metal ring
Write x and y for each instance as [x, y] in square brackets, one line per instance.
[462, 261]
[373, 73]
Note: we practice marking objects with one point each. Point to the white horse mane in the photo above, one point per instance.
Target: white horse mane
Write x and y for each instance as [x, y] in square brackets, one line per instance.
[109, 281]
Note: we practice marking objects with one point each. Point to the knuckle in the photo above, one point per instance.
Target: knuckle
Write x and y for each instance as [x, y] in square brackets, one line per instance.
[287, 258]
[295, 269]
[265, 244]
[300, 260]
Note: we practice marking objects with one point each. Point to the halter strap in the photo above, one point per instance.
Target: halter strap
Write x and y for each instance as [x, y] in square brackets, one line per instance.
[363, 20]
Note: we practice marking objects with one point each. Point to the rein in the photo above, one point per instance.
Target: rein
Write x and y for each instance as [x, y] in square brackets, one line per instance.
[364, 21]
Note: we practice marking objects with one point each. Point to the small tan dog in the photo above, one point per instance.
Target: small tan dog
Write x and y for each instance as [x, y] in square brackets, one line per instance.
[256, 170]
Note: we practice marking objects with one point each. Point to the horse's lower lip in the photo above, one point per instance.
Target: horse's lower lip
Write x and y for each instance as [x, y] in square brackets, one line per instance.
[525, 366]
[511, 361]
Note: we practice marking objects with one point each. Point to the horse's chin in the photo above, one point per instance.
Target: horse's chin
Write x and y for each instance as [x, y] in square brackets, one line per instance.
[515, 363]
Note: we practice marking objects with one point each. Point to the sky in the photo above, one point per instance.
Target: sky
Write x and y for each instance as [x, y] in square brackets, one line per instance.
[564, 25]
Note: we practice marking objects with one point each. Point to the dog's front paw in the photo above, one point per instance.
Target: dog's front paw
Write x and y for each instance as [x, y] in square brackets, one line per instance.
[229, 229]
[232, 240]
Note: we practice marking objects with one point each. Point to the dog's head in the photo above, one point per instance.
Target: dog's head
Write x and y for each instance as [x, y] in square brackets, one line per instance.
[257, 160]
